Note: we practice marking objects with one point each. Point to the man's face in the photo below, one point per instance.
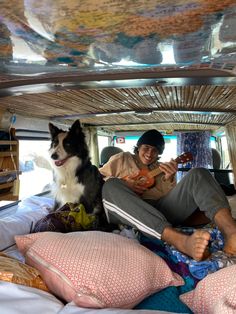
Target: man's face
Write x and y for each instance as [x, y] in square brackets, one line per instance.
[147, 154]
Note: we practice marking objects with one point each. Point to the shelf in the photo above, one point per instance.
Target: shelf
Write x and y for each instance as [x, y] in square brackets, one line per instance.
[8, 197]
[8, 143]
[8, 154]
[6, 173]
[9, 166]
[6, 185]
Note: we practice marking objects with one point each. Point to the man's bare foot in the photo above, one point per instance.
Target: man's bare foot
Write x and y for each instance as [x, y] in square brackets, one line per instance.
[194, 245]
[230, 244]
[227, 225]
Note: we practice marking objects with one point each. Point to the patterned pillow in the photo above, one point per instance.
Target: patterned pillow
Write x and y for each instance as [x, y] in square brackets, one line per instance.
[96, 269]
[216, 293]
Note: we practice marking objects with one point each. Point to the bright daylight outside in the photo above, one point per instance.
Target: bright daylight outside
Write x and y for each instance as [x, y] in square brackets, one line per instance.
[36, 174]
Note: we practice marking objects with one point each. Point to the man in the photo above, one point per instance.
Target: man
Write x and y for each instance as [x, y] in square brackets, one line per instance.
[156, 211]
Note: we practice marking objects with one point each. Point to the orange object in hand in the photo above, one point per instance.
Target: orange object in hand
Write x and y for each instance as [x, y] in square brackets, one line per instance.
[146, 178]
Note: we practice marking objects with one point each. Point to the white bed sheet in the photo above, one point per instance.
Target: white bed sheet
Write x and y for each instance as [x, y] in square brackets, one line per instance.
[73, 309]
[23, 219]
[18, 299]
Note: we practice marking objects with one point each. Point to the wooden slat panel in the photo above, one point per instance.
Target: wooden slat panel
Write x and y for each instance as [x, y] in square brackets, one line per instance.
[72, 102]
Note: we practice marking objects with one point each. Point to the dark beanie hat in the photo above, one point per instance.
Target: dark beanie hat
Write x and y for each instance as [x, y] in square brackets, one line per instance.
[153, 138]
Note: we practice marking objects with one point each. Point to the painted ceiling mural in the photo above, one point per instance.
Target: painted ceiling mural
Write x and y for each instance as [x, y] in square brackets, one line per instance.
[105, 35]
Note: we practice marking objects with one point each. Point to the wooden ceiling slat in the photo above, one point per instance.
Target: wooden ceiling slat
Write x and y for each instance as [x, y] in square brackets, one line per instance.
[191, 94]
[207, 96]
[198, 95]
[81, 101]
[177, 97]
[136, 99]
[149, 99]
[145, 101]
[157, 96]
[162, 97]
[173, 99]
[186, 98]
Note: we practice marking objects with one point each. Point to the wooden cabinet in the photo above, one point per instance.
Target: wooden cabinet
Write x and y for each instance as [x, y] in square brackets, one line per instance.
[9, 166]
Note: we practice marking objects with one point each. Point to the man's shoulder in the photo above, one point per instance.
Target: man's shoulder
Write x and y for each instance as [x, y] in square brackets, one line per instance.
[122, 157]
[127, 155]
[118, 156]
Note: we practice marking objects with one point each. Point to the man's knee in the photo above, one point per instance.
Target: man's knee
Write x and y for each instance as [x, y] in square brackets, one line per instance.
[199, 173]
[110, 185]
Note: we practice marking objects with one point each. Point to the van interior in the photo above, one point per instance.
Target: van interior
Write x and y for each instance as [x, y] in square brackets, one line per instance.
[121, 68]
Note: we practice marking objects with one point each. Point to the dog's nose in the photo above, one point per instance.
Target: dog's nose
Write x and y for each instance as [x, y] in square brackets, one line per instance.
[54, 156]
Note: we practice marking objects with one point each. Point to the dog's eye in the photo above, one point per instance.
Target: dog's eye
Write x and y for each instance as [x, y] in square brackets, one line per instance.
[55, 143]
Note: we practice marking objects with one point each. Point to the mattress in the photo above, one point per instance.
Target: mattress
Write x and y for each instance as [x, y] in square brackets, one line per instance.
[17, 299]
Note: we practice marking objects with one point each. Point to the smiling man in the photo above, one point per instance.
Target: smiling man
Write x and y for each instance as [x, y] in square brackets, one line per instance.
[157, 209]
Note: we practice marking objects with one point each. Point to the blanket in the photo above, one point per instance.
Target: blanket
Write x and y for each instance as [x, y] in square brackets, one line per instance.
[69, 218]
[190, 270]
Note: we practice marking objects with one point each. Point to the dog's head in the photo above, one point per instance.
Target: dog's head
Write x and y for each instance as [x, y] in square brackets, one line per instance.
[66, 144]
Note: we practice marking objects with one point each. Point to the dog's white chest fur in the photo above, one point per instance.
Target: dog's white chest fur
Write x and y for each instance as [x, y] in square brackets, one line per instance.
[67, 189]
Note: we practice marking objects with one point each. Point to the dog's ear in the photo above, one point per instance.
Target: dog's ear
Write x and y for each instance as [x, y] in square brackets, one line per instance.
[54, 130]
[76, 127]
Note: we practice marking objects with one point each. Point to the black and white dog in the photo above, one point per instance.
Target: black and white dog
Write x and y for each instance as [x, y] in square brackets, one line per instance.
[76, 180]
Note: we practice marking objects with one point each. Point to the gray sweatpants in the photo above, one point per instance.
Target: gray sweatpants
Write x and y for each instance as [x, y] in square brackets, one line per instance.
[197, 189]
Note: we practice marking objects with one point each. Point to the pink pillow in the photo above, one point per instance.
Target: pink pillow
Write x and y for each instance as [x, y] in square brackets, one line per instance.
[96, 269]
[216, 293]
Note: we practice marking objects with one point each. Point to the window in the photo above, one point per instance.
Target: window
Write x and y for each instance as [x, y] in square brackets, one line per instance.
[170, 150]
[36, 173]
[225, 153]
[103, 141]
[128, 144]
[170, 146]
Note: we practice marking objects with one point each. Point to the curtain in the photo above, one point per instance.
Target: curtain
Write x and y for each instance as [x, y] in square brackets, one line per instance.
[92, 140]
[197, 143]
[230, 131]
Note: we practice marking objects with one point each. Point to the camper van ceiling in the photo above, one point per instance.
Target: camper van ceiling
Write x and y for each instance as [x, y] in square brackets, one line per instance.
[120, 65]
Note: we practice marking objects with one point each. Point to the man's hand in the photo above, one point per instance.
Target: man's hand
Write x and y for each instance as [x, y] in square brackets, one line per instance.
[134, 185]
[169, 168]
